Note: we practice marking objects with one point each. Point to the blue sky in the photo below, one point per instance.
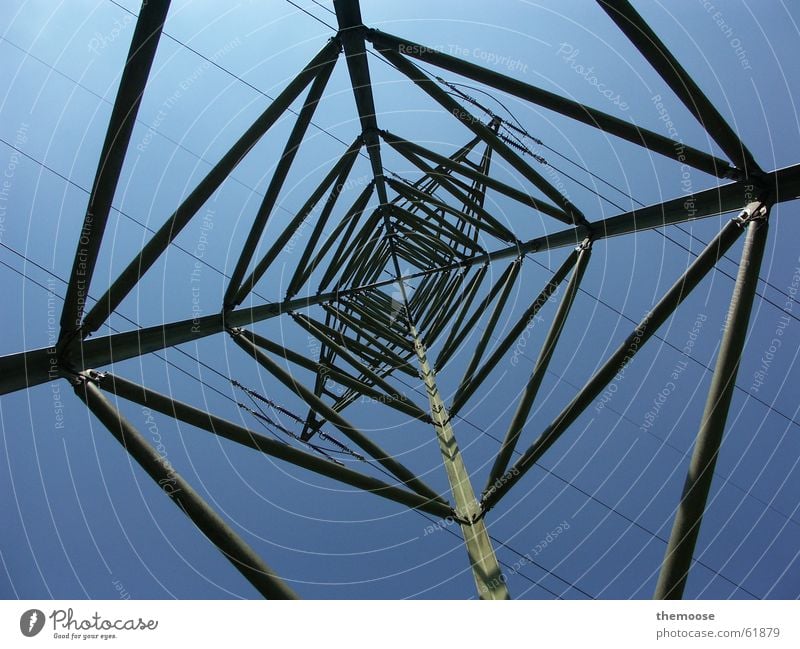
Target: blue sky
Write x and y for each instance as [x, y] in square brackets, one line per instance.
[81, 520]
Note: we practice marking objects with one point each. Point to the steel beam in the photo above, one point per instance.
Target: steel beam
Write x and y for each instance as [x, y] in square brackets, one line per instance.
[112, 156]
[277, 181]
[382, 353]
[235, 549]
[439, 226]
[445, 182]
[429, 316]
[426, 201]
[680, 82]
[467, 298]
[369, 243]
[347, 226]
[783, 185]
[159, 242]
[486, 336]
[485, 569]
[351, 31]
[238, 434]
[525, 404]
[455, 339]
[34, 367]
[348, 15]
[689, 516]
[445, 315]
[389, 396]
[615, 365]
[369, 321]
[598, 119]
[297, 281]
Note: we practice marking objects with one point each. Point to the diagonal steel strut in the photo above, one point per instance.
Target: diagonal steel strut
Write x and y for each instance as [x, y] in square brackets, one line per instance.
[120, 127]
[208, 521]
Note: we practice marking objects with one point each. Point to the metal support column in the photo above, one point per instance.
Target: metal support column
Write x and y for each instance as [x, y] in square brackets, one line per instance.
[485, 569]
[685, 529]
[239, 553]
[32, 367]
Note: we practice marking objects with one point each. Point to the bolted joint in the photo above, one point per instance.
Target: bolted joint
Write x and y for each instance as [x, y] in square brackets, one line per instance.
[586, 244]
[370, 136]
[742, 175]
[734, 173]
[352, 31]
[338, 42]
[66, 345]
[478, 515]
[79, 379]
[756, 211]
[486, 500]
[461, 520]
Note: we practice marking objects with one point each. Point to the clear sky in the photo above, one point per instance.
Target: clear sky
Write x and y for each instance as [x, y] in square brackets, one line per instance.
[80, 520]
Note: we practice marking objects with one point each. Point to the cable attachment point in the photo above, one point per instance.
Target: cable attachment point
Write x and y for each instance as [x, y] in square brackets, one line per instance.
[586, 244]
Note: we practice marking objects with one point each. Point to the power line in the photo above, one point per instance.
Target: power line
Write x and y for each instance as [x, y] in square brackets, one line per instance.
[583, 168]
[582, 290]
[119, 211]
[212, 369]
[236, 76]
[319, 4]
[197, 360]
[308, 13]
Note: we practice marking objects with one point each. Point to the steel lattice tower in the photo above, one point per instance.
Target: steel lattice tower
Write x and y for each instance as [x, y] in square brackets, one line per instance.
[436, 232]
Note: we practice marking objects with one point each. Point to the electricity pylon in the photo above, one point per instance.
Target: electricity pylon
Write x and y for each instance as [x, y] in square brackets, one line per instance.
[439, 230]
